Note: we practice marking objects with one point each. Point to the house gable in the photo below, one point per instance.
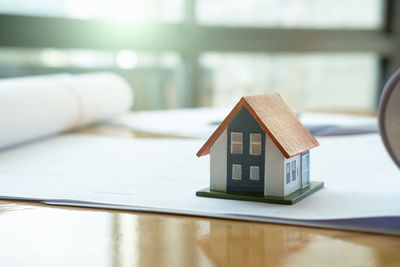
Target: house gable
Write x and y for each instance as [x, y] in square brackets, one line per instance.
[248, 160]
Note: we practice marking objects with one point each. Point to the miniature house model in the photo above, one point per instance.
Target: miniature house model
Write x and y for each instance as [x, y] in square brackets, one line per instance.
[260, 148]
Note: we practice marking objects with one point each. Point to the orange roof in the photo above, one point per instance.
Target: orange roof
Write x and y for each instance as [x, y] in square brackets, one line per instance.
[276, 119]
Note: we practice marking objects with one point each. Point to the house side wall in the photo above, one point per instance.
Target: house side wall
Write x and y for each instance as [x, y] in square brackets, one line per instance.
[218, 163]
[291, 179]
[274, 161]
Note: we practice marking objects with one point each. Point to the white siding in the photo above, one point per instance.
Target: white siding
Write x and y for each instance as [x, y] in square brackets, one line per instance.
[274, 160]
[296, 184]
[218, 163]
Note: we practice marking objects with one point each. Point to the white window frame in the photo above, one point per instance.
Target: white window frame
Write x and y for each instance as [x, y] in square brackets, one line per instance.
[254, 170]
[288, 172]
[237, 142]
[294, 170]
[237, 177]
[252, 142]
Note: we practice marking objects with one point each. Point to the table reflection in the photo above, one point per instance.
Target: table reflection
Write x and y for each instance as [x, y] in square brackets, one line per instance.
[237, 244]
[35, 235]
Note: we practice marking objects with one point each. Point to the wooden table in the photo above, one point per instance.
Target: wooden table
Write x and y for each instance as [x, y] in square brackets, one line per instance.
[37, 235]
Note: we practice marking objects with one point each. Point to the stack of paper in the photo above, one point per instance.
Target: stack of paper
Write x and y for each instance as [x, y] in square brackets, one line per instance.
[362, 185]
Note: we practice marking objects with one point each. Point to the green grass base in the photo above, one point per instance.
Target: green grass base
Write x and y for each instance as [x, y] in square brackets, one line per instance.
[288, 200]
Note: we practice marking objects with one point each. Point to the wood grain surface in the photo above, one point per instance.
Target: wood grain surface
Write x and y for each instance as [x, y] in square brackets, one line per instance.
[38, 235]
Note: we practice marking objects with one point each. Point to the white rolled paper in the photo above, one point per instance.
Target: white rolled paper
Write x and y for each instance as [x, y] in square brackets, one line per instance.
[34, 107]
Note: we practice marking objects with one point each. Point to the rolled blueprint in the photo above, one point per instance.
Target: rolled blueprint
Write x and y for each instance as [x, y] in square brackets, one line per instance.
[34, 107]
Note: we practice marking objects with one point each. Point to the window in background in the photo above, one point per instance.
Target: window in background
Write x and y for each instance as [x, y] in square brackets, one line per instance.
[334, 81]
[291, 13]
[126, 10]
[154, 77]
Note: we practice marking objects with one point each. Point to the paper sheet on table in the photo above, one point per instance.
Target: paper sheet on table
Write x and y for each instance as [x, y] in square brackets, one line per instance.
[202, 122]
[186, 122]
[34, 107]
[362, 185]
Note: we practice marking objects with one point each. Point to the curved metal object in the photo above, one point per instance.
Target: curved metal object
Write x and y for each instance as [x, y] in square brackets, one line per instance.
[389, 116]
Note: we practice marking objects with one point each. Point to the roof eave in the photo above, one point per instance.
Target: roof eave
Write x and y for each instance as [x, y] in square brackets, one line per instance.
[307, 149]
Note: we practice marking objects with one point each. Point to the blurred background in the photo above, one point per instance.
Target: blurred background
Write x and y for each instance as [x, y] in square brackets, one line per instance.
[331, 55]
